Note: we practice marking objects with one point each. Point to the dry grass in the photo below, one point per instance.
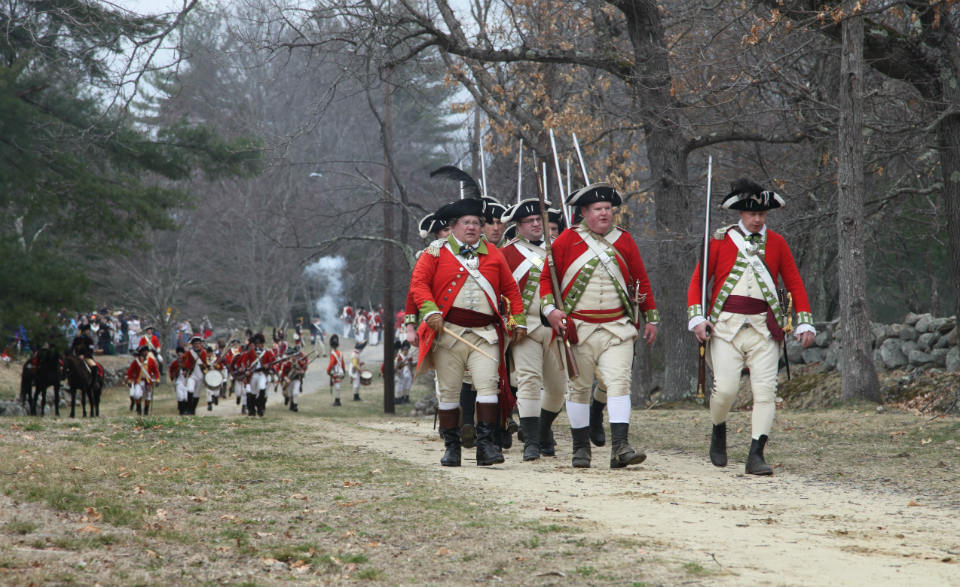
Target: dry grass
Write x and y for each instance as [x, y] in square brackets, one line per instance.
[160, 500]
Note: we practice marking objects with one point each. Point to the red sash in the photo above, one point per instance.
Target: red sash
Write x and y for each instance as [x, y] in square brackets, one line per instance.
[752, 306]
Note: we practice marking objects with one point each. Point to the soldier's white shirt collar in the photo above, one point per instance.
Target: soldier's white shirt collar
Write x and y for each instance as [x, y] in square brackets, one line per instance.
[763, 231]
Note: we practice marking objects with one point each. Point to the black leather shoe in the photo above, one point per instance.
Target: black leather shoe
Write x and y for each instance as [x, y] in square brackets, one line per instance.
[530, 427]
[718, 445]
[336, 402]
[597, 435]
[621, 453]
[581, 447]
[755, 463]
[286, 401]
[546, 441]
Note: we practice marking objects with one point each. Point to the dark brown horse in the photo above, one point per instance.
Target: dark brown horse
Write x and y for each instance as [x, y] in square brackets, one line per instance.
[80, 377]
[36, 379]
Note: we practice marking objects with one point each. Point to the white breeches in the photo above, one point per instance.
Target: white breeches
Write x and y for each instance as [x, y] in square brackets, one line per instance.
[536, 371]
[194, 386]
[761, 356]
[258, 382]
[141, 390]
[609, 359]
[181, 387]
[294, 390]
[346, 330]
[451, 364]
[374, 338]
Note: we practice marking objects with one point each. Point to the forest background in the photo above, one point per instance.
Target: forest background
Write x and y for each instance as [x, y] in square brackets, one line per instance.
[202, 159]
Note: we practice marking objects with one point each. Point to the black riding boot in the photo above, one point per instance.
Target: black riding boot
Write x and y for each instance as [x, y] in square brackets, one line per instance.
[546, 441]
[487, 415]
[180, 407]
[146, 408]
[621, 454]
[581, 447]
[139, 409]
[718, 445]
[531, 438]
[251, 404]
[132, 401]
[755, 463]
[597, 435]
[209, 406]
[468, 405]
[262, 403]
[449, 429]
[286, 401]
[294, 407]
[501, 439]
[336, 402]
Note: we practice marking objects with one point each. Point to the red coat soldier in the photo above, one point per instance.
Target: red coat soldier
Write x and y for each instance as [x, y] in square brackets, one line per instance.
[745, 315]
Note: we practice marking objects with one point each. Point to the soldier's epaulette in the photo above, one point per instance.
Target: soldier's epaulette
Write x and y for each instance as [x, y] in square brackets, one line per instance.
[508, 243]
[417, 256]
[721, 233]
[435, 246]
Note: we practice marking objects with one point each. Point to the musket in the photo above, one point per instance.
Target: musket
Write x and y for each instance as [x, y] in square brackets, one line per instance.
[786, 302]
[556, 163]
[520, 172]
[704, 276]
[573, 371]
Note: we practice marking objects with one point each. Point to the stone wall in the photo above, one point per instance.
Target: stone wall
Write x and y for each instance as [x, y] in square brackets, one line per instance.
[920, 342]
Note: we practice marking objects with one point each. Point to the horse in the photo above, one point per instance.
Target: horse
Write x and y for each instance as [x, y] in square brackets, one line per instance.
[88, 381]
[37, 378]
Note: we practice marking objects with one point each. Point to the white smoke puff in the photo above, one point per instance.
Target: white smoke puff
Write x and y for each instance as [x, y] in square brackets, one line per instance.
[328, 271]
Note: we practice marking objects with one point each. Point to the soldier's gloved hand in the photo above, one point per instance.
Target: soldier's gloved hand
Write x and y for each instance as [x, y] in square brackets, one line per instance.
[435, 323]
[519, 334]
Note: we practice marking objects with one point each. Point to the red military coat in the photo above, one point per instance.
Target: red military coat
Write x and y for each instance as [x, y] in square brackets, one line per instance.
[135, 371]
[774, 251]
[569, 246]
[189, 361]
[437, 279]
[153, 342]
[287, 366]
[247, 359]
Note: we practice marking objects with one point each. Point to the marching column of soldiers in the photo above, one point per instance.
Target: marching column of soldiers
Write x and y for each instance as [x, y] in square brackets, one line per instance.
[485, 313]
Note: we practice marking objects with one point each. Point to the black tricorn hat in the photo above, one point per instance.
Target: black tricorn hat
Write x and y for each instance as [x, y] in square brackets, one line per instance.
[429, 224]
[470, 187]
[523, 209]
[493, 209]
[749, 196]
[593, 193]
[556, 216]
[258, 338]
[464, 207]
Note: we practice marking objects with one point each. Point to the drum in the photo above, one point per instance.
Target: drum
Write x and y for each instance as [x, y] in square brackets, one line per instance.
[213, 379]
[366, 378]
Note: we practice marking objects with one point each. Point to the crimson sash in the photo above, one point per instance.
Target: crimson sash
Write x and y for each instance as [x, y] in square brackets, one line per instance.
[752, 306]
[471, 319]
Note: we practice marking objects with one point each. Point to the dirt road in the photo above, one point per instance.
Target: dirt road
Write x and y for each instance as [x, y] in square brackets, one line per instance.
[781, 530]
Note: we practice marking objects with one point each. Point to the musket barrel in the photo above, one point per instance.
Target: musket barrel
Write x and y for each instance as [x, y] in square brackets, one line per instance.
[583, 166]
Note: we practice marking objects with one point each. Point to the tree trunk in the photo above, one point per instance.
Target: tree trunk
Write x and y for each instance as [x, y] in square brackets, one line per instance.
[859, 372]
[388, 256]
[948, 140]
[666, 150]
[642, 380]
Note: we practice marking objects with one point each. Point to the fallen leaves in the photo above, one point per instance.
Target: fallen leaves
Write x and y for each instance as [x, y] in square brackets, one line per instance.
[76, 469]
[549, 509]
[228, 517]
[352, 484]
[161, 514]
[915, 504]
[92, 515]
[352, 503]
[264, 534]
[925, 441]
[198, 498]
[88, 529]
[551, 574]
